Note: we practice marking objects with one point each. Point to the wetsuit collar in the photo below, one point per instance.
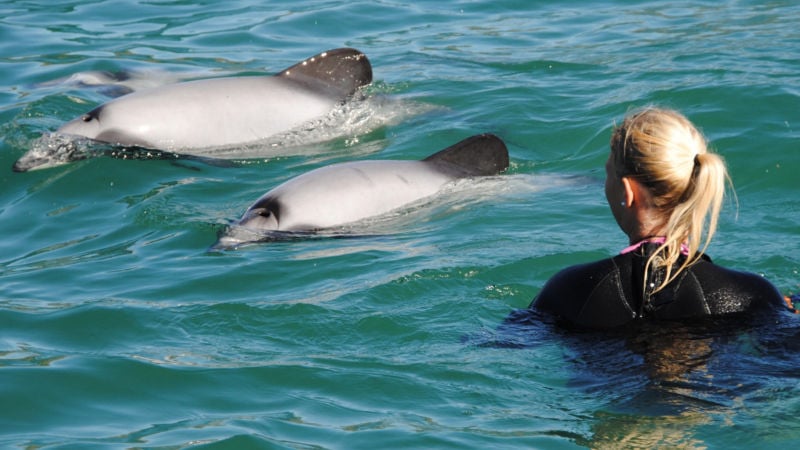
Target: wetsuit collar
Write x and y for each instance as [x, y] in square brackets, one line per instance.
[653, 240]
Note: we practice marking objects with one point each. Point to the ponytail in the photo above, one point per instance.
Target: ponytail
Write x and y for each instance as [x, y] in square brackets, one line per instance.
[693, 221]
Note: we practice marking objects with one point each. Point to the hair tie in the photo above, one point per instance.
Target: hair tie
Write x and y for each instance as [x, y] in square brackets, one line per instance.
[696, 166]
[687, 193]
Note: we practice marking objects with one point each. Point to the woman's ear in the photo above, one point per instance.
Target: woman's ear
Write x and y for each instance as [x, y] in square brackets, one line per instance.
[635, 193]
[630, 186]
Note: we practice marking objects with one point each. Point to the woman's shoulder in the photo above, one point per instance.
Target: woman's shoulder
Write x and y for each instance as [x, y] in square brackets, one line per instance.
[729, 290]
[581, 277]
[589, 294]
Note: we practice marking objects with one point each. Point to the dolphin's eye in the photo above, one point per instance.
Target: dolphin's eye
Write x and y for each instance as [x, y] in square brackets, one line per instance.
[266, 209]
[86, 118]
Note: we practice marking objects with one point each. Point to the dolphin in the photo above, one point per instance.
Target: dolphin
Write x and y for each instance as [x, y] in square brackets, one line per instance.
[186, 117]
[116, 83]
[340, 194]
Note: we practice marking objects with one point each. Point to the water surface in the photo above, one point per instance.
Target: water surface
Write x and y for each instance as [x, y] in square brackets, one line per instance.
[118, 329]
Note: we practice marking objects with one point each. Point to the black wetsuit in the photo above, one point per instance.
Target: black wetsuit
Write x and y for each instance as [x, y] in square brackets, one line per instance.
[609, 293]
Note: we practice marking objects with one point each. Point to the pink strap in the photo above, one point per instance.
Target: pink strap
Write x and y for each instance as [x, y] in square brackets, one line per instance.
[653, 240]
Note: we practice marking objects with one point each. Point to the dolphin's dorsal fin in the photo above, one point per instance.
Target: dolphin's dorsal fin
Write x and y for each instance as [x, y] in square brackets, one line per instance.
[479, 155]
[338, 72]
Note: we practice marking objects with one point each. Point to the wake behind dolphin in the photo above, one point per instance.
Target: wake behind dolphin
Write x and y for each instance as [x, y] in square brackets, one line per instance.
[187, 117]
[340, 194]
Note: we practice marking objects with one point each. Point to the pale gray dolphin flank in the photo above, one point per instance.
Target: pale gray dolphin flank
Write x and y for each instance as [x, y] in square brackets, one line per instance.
[340, 194]
[218, 112]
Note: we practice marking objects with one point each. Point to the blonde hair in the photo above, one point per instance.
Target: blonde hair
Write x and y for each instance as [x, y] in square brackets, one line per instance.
[663, 151]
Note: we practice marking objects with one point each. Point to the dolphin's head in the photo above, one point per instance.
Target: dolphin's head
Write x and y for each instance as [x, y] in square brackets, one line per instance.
[52, 150]
[259, 223]
[263, 215]
[106, 124]
[87, 125]
[67, 144]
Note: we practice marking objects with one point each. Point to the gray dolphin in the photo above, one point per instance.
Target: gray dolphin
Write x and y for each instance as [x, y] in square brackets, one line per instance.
[344, 193]
[217, 112]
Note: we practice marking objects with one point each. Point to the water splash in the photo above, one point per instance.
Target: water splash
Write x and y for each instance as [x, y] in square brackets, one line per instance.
[53, 149]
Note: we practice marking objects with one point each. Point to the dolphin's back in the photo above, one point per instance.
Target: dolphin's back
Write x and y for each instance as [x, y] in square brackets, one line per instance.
[334, 195]
[479, 155]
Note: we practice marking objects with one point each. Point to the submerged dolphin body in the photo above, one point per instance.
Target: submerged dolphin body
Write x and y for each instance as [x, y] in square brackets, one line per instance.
[341, 194]
[218, 112]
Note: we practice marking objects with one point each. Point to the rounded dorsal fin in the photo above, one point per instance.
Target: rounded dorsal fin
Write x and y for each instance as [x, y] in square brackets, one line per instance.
[337, 73]
[479, 155]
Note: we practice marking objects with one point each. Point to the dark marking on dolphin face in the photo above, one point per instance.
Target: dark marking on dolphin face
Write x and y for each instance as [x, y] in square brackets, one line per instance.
[93, 114]
[265, 213]
[259, 223]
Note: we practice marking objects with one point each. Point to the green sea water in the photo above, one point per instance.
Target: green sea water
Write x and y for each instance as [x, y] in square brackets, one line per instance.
[120, 329]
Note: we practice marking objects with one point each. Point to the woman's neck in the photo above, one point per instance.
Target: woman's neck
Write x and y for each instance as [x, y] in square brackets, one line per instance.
[647, 224]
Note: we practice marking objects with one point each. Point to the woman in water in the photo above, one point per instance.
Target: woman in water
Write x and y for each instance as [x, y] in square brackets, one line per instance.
[665, 190]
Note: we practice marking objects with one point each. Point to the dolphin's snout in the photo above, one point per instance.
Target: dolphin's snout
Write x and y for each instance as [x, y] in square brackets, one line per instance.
[236, 235]
[225, 243]
[21, 166]
[51, 150]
